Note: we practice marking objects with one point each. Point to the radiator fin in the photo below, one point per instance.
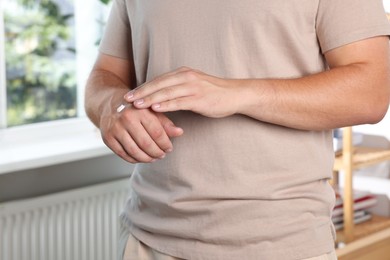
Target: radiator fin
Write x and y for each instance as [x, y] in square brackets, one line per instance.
[75, 225]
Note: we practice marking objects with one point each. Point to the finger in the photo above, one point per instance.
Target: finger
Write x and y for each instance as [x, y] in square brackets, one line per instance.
[184, 103]
[169, 79]
[157, 132]
[118, 149]
[165, 94]
[132, 149]
[170, 128]
[141, 135]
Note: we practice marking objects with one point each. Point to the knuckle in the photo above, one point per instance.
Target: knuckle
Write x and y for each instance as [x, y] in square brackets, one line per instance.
[157, 133]
[151, 149]
[146, 144]
[122, 154]
[127, 115]
[180, 103]
[131, 151]
[157, 83]
[130, 122]
[191, 75]
[107, 139]
[168, 92]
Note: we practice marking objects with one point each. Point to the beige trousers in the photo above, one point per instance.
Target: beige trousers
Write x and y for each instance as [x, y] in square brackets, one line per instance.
[136, 250]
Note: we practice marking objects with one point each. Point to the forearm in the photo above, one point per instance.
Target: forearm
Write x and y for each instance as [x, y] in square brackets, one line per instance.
[356, 90]
[104, 92]
[347, 95]
[343, 96]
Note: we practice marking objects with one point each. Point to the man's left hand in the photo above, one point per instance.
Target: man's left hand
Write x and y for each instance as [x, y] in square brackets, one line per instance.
[187, 89]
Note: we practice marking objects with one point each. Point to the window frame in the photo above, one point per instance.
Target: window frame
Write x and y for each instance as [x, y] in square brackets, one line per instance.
[3, 88]
[49, 143]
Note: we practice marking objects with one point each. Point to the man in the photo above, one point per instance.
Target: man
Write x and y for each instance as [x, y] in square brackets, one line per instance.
[230, 123]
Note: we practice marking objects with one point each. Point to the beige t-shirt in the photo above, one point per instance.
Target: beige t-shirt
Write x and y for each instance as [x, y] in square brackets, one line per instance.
[235, 187]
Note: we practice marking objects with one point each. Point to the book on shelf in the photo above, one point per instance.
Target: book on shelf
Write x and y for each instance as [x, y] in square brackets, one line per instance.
[361, 202]
[356, 215]
[359, 217]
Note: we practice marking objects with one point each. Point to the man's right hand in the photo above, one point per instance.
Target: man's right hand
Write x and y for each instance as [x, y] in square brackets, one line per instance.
[138, 136]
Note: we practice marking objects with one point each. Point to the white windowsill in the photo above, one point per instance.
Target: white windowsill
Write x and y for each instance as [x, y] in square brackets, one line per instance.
[46, 144]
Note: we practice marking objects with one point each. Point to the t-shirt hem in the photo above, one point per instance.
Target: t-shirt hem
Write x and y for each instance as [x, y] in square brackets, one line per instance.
[292, 253]
[355, 37]
[112, 53]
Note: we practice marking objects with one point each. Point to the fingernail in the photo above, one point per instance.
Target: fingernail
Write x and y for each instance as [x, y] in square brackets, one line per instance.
[139, 102]
[162, 157]
[129, 95]
[169, 150]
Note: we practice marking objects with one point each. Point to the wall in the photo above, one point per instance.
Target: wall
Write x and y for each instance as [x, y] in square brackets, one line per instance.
[380, 129]
[40, 181]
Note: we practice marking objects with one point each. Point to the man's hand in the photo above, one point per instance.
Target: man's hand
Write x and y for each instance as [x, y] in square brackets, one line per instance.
[138, 135]
[186, 89]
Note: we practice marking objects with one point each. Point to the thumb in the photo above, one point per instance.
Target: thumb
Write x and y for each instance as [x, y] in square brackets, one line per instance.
[170, 128]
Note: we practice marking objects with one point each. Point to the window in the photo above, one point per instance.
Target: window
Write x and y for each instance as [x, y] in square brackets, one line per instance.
[49, 47]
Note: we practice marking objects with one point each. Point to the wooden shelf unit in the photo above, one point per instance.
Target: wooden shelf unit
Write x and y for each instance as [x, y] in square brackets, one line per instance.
[350, 159]
[372, 246]
[362, 230]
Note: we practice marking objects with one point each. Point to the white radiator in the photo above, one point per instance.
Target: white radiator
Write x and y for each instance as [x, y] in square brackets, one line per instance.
[80, 224]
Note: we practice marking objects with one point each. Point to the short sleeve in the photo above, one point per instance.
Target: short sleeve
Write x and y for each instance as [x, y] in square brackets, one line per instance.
[115, 41]
[340, 22]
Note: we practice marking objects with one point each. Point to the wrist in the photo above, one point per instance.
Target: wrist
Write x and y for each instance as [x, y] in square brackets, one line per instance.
[248, 96]
[112, 96]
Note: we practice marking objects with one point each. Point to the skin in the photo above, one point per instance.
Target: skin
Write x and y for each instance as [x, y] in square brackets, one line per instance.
[136, 135]
[356, 90]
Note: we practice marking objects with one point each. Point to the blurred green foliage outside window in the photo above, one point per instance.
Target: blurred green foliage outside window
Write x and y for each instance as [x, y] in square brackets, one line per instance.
[40, 61]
